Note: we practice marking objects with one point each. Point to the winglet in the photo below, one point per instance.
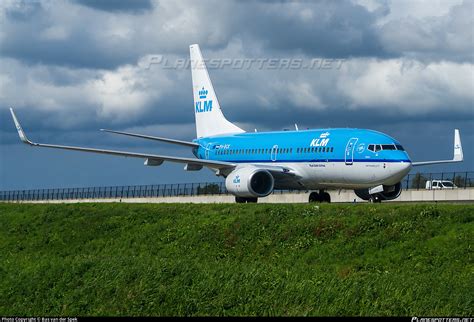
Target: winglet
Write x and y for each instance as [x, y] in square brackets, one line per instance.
[21, 133]
[458, 154]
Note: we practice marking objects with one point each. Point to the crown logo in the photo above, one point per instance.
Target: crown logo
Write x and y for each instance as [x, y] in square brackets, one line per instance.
[203, 93]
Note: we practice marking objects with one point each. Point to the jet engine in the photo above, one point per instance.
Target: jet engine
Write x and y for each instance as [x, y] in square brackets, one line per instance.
[250, 182]
[388, 193]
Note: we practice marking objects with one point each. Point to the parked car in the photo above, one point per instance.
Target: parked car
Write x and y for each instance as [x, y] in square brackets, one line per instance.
[440, 184]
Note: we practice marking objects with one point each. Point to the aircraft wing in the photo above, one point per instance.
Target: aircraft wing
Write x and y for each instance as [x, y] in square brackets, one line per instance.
[151, 159]
[172, 141]
[458, 154]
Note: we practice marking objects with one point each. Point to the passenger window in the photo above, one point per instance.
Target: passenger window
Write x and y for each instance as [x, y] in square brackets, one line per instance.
[332, 149]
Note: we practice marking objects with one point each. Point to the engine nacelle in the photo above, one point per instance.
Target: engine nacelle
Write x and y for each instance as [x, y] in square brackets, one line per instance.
[388, 193]
[250, 182]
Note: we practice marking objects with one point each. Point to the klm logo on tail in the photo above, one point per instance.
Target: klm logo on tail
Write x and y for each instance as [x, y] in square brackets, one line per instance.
[203, 105]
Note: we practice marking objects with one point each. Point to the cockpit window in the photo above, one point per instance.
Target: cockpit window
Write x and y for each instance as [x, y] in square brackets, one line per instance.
[371, 147]
[388, 147]
[399, 147]
[378, 147]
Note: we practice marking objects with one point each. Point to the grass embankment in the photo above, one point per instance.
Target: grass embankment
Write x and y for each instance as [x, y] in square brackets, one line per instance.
[181, 259]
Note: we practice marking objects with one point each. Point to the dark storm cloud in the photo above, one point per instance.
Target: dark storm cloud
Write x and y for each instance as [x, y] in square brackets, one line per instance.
[72, 69]
[129, 6]
[324, 28]
[69, 34]
[32, 36]
[83, 52]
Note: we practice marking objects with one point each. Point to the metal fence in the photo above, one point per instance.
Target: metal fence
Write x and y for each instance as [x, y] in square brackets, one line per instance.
[411, 181]
[418, 181]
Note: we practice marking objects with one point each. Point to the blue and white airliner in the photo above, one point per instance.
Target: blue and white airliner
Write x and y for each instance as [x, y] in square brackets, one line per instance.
[255, 163]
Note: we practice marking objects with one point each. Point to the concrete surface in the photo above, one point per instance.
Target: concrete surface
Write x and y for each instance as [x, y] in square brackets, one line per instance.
[337, 196]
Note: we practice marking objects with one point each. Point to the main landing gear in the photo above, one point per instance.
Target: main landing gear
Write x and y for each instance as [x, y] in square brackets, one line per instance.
[375, 199]
[245, 200]
[322, 196]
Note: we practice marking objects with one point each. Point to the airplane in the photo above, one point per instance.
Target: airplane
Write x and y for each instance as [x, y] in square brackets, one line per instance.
[255, 163]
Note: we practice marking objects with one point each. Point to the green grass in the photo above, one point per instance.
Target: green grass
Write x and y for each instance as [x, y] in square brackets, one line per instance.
[230, 259]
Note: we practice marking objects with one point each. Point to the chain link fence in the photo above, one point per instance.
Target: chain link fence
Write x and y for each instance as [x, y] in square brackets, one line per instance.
[417, 181]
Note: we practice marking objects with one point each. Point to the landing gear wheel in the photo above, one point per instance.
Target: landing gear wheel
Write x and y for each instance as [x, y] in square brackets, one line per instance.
[245, 200]
[314, 197]
[240, 200]
[375, 199]
[325, 197]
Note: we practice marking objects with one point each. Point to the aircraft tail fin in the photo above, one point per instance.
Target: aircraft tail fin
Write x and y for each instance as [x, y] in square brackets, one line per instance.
[209, 117]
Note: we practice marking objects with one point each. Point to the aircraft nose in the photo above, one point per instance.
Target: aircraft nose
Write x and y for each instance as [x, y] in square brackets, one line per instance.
[398, 171]
[404, 167]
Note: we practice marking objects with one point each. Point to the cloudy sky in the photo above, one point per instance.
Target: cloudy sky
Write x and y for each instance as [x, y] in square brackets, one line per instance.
[70, 68]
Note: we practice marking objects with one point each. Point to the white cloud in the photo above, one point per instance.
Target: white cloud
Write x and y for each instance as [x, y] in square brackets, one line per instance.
[408, 86]
[419, 9]
[447, 36]
[120, 95]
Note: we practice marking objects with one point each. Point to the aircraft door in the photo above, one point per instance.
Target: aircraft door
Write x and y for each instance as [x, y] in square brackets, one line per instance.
[349, 155]
[274, 152]
[208, 147]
